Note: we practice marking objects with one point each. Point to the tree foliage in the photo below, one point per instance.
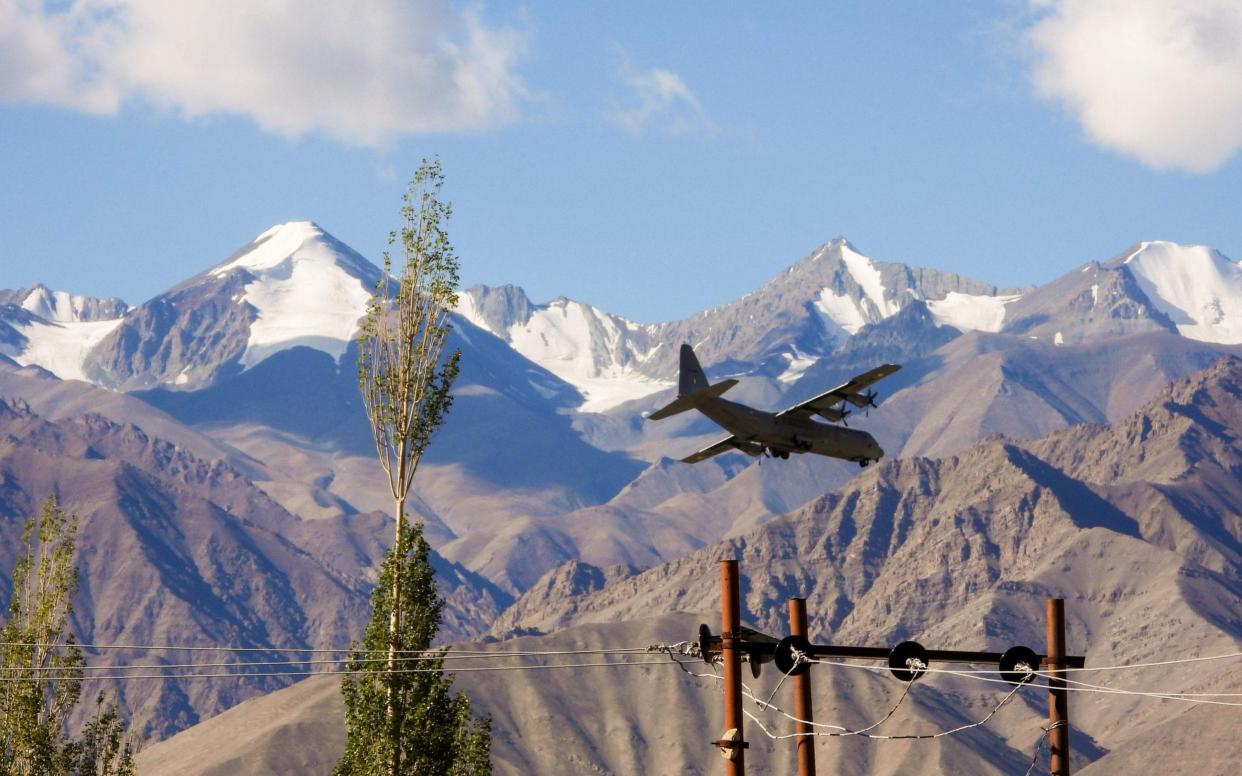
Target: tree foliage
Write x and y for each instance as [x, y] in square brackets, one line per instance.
[404, 381]
[42, 667]
[436, 733]
[400, 722]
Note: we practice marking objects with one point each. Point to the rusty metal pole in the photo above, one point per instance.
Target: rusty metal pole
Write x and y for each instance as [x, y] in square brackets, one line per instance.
[1058, 697]
[802, 694]
[730, 623]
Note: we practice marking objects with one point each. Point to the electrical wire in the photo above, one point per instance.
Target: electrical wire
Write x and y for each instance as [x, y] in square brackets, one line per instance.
[685, 648]
[1158, 663]
[1044, 736]
[1101, 689]
[622, 650]
[346, 672]
[326, 651]
[251, 663]
[841, 732]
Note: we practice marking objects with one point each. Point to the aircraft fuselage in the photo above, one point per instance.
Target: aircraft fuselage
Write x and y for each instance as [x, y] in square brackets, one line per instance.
[790, 434]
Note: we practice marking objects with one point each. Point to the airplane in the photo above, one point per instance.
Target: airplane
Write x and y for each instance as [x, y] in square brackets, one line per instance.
[778, 434]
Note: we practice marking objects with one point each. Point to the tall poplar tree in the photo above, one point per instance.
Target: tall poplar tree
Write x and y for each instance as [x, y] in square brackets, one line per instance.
[398, 720]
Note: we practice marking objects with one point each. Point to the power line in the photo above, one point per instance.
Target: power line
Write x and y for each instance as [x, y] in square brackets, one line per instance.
[328, 661]
[1077, 685]
[1158, 663]
[346, 672]
[842, 732]
[621, 650]
[326, 651]
[1101, 689]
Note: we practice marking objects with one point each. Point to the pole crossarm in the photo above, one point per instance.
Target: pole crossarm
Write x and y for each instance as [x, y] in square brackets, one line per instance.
[766, 647]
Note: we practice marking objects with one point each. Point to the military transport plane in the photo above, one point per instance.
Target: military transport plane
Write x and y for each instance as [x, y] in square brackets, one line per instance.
[779, 433]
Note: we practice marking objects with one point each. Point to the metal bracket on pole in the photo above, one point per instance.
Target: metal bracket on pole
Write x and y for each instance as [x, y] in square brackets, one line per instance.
[732, 744]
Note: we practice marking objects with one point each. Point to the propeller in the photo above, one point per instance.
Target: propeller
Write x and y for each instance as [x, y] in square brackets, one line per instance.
[869, 401]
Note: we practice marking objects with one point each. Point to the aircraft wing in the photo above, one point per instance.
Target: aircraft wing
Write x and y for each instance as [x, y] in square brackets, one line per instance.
[724, 446]
[826, 403]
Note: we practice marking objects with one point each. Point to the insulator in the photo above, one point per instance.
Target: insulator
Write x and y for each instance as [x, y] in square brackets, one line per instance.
[784, 658]
[1018, 665]
[908, 661]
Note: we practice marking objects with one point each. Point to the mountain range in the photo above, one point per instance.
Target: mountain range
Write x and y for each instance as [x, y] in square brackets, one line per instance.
[1141, 537]
[213, 437]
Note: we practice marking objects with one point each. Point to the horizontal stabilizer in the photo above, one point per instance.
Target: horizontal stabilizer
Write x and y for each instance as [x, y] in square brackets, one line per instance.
[683, 403]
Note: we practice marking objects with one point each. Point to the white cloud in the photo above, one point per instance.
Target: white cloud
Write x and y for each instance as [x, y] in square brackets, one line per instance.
[1154, 79]
[364, 73]
[659, 100]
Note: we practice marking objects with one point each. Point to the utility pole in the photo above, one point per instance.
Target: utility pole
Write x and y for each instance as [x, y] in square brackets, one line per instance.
[1058, 696]
[733, 745]
[802, 694]
[907, 661]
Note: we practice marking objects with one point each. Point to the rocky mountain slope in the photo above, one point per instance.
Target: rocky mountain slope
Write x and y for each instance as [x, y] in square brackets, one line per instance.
[1134, 523]
[180, 549]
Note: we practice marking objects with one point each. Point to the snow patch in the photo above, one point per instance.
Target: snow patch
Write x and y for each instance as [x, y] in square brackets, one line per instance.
[798, 364]
[864, 272]
[1198, 288]
[61, 348]
[1095, 294]
[1058, 339]
[840, 310]
[542, 390]
[467, 309]
[605, 393]
[970, 312]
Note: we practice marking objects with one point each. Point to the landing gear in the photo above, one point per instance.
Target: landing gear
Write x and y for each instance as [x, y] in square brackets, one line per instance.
[863, 462]
[782, 454]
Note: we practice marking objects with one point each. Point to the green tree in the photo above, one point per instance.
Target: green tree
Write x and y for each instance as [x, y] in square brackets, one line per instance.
[104, 749]
[399, 721]
[436, 732]
[42, 667]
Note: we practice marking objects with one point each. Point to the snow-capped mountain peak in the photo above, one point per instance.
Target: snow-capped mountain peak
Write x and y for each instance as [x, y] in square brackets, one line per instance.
[1197, 287]
[306, 288]
[596, 352]
[63, 307]
[298, 240]
[55, 330]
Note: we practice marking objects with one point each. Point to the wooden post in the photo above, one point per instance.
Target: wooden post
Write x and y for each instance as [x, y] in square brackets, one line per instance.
[730, 624]
[1058, 697]
[802, 694]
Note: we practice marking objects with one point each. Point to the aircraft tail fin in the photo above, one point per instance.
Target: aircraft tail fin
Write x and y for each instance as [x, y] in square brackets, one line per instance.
[691, 379]
[692, 387]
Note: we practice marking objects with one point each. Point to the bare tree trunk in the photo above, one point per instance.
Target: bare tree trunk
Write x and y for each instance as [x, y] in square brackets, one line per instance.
[394, 626]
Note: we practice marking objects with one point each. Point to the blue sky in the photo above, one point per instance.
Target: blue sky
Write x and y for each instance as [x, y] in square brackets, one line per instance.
[650, 158]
